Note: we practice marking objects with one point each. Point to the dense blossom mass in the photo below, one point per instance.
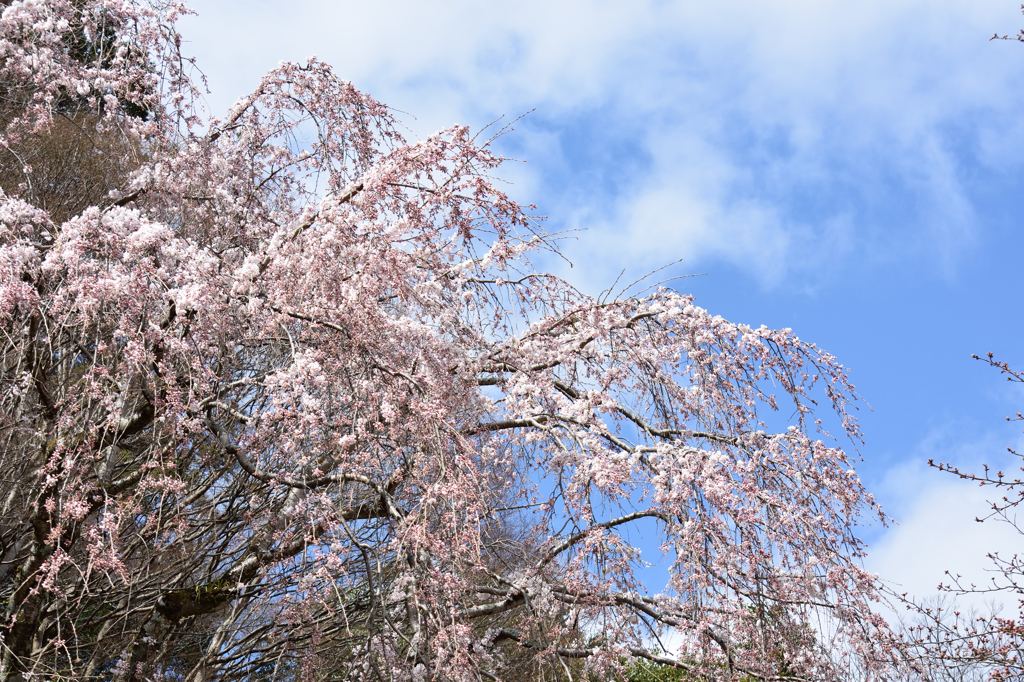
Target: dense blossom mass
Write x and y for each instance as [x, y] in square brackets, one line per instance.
[284, 398]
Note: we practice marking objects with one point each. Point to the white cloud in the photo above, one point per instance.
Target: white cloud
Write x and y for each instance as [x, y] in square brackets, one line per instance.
[691, 225]
[937, 531]
[760, 127]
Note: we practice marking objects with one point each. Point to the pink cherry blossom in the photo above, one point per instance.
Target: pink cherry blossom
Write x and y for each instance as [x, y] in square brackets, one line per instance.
[292, 401]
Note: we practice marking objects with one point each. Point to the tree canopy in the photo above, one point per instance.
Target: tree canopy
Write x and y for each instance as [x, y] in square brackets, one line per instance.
[284, 396]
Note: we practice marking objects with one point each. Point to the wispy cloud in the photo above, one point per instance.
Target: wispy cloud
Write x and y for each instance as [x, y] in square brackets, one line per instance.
[754, 131]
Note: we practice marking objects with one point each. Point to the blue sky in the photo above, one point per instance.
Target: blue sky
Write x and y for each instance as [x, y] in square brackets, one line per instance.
[850, 170]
